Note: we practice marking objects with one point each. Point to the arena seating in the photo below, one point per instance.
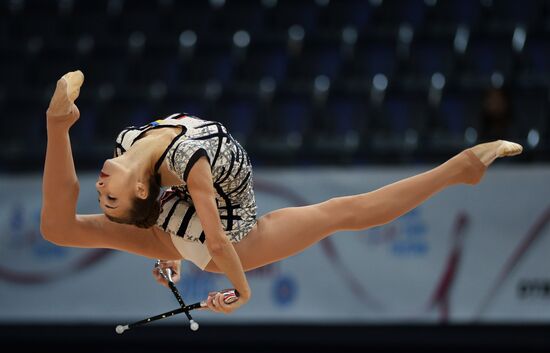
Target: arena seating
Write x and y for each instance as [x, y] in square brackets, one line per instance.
[296, 81]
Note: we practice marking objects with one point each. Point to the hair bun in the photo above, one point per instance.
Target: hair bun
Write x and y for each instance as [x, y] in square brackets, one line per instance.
[151, 218]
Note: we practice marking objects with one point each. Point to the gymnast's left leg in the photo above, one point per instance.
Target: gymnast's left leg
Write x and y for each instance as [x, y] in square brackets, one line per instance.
[285, 232]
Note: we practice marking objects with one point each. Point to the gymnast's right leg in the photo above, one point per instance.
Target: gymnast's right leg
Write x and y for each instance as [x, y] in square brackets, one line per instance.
[288, 231]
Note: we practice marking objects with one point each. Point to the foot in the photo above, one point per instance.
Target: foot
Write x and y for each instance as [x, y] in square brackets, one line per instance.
[62, 109]
[488, 152]
[74, 80]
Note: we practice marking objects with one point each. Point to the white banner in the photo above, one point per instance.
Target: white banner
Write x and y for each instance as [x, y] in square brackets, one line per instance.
[468, 254]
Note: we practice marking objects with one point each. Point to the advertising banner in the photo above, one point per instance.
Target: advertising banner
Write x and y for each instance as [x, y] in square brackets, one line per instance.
[468, 254]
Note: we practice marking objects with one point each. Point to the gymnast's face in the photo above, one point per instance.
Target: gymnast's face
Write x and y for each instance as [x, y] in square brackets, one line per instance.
[117, 186]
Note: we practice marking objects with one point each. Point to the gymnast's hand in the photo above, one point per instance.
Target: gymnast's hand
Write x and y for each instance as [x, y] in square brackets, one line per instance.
[174, 265]
[62, 109]
[215, 302]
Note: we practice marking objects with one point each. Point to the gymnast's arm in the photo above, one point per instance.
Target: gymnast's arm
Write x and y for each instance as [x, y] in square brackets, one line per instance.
[223, 253]
[59, 222]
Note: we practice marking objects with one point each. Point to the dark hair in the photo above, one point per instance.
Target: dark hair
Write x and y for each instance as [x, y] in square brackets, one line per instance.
[144, 212]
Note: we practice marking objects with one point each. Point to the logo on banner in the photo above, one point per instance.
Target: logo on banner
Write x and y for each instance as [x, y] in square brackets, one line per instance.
[405, 236]
[285, 290]
[26, 258]
[534, 289]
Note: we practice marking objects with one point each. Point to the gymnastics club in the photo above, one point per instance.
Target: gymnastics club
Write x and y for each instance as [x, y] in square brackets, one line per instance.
[230, 296]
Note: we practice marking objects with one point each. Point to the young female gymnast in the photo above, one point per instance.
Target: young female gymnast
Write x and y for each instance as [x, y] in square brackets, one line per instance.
[208, 214]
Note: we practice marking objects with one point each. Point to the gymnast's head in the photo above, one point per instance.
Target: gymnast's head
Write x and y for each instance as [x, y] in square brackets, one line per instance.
[128, 195]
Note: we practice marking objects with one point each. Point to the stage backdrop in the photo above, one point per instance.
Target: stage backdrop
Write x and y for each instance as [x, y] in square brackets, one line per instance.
[469, 254]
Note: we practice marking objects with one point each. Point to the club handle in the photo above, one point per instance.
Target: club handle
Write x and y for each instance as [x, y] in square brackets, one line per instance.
[169, 274]
[229, 296]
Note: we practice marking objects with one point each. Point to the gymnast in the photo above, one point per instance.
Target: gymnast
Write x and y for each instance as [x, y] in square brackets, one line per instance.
[180, 188]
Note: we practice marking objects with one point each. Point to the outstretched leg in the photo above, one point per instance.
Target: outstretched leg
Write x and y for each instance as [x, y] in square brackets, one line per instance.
[287, 231]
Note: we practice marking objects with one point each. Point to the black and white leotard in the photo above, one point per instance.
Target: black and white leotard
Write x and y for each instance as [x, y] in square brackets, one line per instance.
[232, 180]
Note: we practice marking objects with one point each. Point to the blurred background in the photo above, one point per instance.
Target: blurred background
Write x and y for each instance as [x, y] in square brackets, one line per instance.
[329, 97]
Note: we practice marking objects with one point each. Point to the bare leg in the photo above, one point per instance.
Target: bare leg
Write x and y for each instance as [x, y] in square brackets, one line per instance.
[288, 231]
[59, 222]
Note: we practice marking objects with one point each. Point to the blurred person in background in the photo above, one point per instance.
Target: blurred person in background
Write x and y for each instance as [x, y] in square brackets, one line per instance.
[496, 115]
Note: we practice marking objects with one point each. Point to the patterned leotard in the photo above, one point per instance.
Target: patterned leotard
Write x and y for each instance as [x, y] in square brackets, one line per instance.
[232, 180]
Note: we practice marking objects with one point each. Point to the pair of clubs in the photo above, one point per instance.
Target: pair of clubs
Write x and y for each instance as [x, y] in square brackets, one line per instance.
[230, 296]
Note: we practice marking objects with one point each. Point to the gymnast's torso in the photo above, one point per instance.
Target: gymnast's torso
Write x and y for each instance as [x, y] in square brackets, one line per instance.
[232, 180]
